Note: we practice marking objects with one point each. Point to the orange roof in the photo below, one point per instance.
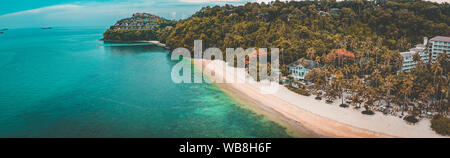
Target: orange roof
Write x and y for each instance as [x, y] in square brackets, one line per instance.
[339, 53]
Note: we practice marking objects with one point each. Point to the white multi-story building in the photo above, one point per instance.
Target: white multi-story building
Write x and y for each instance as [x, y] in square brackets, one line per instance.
[408, 61]
[439, 44]
[408, 57]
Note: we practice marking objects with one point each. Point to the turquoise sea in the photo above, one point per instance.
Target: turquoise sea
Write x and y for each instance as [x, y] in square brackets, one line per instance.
[64, 82]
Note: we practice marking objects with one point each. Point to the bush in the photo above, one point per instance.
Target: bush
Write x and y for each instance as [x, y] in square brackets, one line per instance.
[318, 98]
[441, 125]
[368, 112]
[344, 105]
[329, 101]
[411, 119]
[300, 91]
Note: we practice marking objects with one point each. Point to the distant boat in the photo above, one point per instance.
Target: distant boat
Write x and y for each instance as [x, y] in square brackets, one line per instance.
[46, 28]
[1, 32]
[4, 29]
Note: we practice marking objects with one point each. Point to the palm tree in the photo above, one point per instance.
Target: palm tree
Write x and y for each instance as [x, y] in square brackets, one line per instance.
[416, 57]
[444, 90]
[424, 98]
[339, 83]
[377, 49]
[357, 89]
[405, 88]
[347, 70]
[318, 77]
[442, 84]
[435, 68]
[370, 95]
[311, 53]
[388, 85]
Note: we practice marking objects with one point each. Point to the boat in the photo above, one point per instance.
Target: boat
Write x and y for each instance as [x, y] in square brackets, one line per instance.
[46, 28]
[1, 32]
[4, 29]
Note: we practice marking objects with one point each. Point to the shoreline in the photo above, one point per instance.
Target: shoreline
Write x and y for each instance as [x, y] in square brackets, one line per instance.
[304, 116]
[292, 127]
[138, 41]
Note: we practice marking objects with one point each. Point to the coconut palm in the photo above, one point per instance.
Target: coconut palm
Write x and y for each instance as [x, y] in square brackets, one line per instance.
[347, 70]
[357, 89]
[311, 53]
[370, 95]
[339, 84]
[436, 69]
[406, 85]
[424, 97]
[318, 77]
[388, 86]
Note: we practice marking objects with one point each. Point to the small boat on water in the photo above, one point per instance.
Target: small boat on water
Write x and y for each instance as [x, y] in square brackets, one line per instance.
[44, 28]
[1, 32]
[4, 29]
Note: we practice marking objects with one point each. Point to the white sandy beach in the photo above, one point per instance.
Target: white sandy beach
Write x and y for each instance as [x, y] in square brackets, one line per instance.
[323, 119]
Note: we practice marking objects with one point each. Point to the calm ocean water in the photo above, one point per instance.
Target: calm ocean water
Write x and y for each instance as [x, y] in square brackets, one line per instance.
[63, 82]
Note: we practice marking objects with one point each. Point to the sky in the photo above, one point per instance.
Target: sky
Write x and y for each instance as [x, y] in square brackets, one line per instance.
[40, 13]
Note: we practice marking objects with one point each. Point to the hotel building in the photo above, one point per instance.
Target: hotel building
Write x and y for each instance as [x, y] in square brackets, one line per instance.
[408, 62]
[438, 44]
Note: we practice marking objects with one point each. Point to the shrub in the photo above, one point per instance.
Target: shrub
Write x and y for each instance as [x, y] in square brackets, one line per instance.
[343, 105]
[367, 112]
[318, 98]
[441, 125]
[411, 119]
[300, 91]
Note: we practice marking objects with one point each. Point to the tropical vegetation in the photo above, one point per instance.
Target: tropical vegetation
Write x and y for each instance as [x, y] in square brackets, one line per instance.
[142, 26]
[441, 125]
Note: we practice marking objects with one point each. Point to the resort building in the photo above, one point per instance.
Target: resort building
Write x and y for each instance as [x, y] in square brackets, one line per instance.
[439, 44]
[408, 61]
[300, 68]
[139, 21]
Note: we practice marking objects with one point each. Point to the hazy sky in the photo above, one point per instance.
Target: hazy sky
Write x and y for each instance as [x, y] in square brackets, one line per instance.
[38, 13]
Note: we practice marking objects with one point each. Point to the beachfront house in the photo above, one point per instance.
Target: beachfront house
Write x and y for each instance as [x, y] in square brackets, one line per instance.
[300, 68]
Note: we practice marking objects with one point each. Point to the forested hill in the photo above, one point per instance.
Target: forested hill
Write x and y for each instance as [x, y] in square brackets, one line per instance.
[141, 26]
[312, 29]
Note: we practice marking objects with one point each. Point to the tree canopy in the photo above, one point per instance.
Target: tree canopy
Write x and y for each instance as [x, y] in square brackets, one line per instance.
[299, 27]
